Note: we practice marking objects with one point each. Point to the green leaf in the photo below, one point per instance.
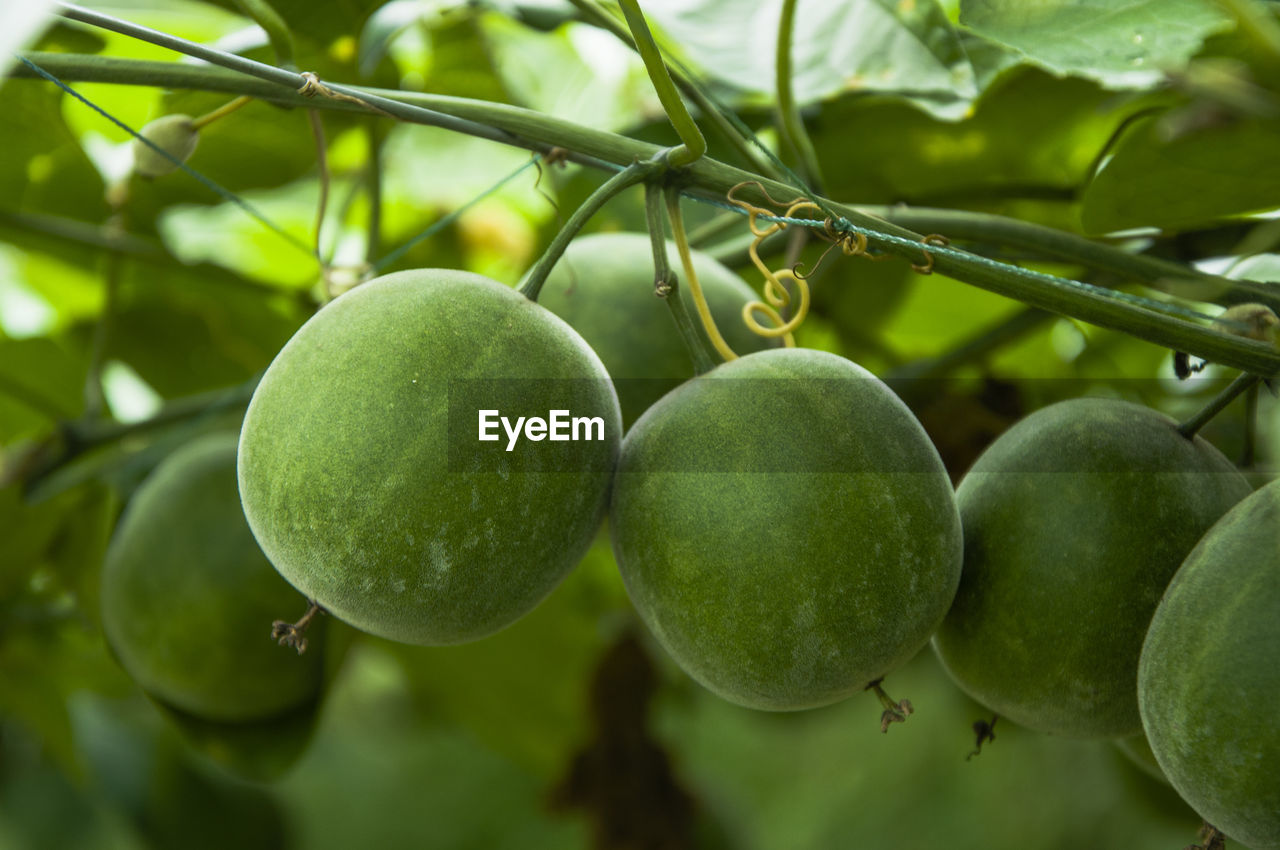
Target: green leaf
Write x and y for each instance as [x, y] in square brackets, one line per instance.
[1192, 180]
[33, 528]
[185, 330]
[1030, 135]
[41, 381]
[1120, 43]
[838, 46]
[44, 168]
[606, 88]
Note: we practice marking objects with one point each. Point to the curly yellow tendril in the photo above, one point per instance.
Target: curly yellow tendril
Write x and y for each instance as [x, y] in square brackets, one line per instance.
[776, 294]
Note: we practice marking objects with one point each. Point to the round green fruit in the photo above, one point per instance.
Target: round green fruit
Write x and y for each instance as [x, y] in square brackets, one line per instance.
[1209, 678]
[785, 529]
[603, 287]
[1075, 520]
[364, 477]
[175, 135]
[188, 597]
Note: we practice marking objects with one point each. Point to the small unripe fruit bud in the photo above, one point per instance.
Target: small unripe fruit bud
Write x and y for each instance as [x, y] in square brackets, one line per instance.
[175, 134]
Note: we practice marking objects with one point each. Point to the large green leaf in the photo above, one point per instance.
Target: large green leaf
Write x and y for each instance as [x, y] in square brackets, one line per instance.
[41, 382]
[44, 168]
[838, 46]
[1192, 180]
[1030, 135]
[1121, 43]
[186, 330]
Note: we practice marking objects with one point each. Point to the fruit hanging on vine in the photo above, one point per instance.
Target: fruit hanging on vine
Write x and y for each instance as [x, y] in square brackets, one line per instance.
[364, 477]
[785, 529]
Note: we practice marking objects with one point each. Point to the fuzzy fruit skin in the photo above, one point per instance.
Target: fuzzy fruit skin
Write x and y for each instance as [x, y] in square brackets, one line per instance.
[785, 529]
[188, 598]
[1075, 520]
[603, 287]
[173, 133]
[362, 500]
[1209, 678]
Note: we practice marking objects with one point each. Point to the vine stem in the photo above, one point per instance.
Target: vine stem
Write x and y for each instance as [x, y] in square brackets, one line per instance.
[695, 146]
[322, 164]
[1243, 382]
[706, 178]
[281, 76]
[791, 124]
[94, 395]
[76, 438]
[1163, 275]
[597, 17]
[635, 173]
[374, 226]
[667, 285]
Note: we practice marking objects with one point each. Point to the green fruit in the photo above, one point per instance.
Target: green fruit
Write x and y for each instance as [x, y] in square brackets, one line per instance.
[188, 598]
[603, 287]
[785, 529]
[175, 135]
[1209, 679]
[363, 476]
[1075, 520]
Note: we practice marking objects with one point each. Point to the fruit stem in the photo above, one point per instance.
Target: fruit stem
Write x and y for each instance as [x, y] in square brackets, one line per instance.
[677, 113]
[322, 203]
[292, 634]
[634, 173]
[791, 124]
[982, 732]
[666, 285]
[94, 398]
[221, 112]
[374, 227]
[274, 26]
[1242, 382]
[894, 712]
[695, 288]
[1209, 838]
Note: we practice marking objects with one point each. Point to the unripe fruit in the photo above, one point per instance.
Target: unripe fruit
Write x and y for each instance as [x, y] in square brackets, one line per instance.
[1075, 520]
[174, 134]
[603, 287]
[785, 529]
[363, 477]
[188, 598]
[1209, 678]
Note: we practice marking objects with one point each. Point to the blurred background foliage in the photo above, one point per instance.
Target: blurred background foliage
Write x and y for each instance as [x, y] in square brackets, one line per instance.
[135, 314]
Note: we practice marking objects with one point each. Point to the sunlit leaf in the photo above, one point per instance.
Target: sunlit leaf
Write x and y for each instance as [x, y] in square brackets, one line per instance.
[1193, 179]
[1121, 43]
[849, 45]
